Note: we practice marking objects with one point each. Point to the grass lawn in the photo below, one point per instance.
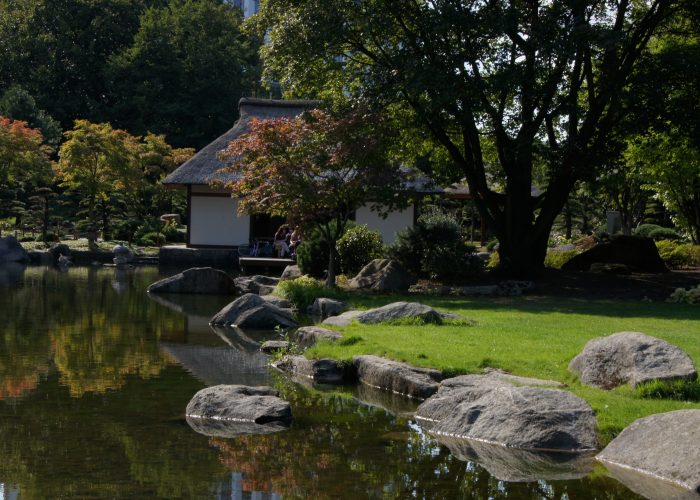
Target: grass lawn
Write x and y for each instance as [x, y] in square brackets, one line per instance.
[529, 336]
[81, 244]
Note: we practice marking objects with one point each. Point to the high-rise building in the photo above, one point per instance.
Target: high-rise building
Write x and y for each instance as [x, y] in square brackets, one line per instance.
[249, 7]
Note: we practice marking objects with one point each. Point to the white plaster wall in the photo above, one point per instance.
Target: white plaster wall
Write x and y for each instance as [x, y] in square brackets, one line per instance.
[214, 221]
[388, 227]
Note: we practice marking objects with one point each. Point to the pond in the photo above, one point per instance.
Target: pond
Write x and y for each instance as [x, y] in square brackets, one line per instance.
[95, 376]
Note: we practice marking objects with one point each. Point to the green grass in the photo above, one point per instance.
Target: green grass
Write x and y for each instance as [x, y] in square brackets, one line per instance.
[534, 337]
[81, 244]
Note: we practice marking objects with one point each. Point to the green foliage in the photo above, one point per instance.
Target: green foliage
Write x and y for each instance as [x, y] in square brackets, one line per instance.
[645, 230]
[357, 247]
[678, 390]
[664, 233]
[151, 239]
[434, 248]
[678, 255]
[303, 291]
[683, 296]
[188, 66]
[18, 104]
[555, 258]
[313, 254]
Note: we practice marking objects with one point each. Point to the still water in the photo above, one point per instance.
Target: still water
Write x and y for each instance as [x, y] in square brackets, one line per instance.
[95, 376]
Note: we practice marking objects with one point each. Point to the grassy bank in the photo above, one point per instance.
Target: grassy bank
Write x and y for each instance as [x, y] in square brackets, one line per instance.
[528, 336]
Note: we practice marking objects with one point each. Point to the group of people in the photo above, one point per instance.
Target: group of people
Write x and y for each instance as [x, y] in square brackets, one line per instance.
[287, 240]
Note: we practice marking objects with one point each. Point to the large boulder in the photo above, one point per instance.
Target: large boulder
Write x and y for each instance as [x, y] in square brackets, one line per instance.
[254, 312]
[631, 358]
[391, 312]
[401, 378]
[637, 253]
[320, 371]
[277, 301]
[530, 418]
[343, 319]
[291, 273]
[467, 388]
[383, 275]
[324, 307]
[11, 251]
[657, 455]
[261, 285]
[197, 280]
[226, 410]
[307, 336]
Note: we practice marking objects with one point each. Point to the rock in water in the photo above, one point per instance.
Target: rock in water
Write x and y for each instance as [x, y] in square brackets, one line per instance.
[631, 358]
[228, 410]
[320, 371]
[273, 346]
[383, 275]
[11, 251]
[524, 417]
[252, 311]
[419, 383]
[656, 450]
[197, 280]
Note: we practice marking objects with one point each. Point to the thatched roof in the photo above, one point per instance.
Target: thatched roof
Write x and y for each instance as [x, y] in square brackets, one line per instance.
[202, 168]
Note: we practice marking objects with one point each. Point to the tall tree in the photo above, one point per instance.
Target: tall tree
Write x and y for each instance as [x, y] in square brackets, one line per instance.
[316, 170]
[185, 72]
[91, 160]
[18, 104]
[535, 78]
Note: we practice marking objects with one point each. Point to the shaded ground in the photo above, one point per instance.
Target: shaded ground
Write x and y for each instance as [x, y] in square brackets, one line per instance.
[588, 285]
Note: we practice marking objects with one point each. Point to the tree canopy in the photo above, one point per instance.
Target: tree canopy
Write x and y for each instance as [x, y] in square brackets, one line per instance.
[541, 82]
[315, 169]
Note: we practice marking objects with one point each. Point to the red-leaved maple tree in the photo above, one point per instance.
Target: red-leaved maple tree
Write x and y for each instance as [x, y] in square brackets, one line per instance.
[315, 169]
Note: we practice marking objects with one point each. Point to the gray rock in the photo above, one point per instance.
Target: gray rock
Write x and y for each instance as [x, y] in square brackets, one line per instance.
[277, 301]
[467, 388]
[400, 310]
[273, 346]
[530, 418]
[320, 371]
[252, 311]
[649, 486]
[391, 402]
[197, 280]
[665, 447]
[324, 307]
[342, 320]
[307, 336]
[631, 358]
[57, 250]
[12, 251]
[11, 274]
[244, 409]
[261, 285]
[401, 378]
[291, 273]
[383, 275]
[120, 249]
[515, 465]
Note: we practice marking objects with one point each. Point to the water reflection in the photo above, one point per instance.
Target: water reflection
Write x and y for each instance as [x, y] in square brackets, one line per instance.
[94, 380]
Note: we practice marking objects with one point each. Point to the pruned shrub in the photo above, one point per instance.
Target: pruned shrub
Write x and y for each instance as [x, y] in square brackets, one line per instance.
[358, 247]
[678, 255]
[664, 233]
[645, 230]
[434, 248]
[151, 240]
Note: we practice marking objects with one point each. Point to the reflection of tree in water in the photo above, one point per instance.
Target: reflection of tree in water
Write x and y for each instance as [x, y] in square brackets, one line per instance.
[339, 449]
[97, 336]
